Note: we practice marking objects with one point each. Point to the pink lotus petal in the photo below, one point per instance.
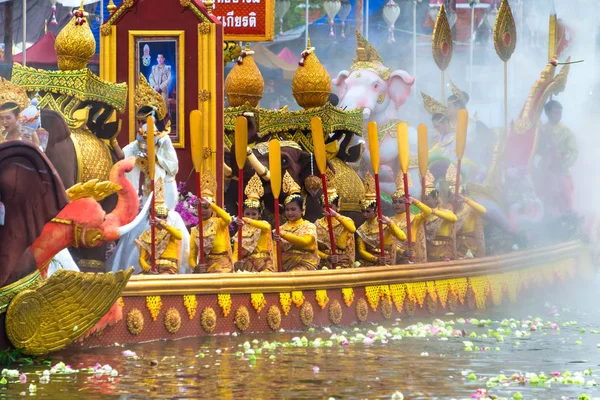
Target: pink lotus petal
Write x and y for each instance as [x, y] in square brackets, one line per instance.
[23, 378]
[129, 353]
[533, 328]
[316, 369]
[556, 373]
[368, 341]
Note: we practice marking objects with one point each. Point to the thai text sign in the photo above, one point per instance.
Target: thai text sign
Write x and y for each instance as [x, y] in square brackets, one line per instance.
[249, 20]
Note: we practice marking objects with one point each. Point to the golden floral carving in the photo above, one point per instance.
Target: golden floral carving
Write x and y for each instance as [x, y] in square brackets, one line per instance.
[185, 3]
[242, 318]
[172, 320]
[191, 303]
[335, 312]
[204, 27]
[362, 310]
[386, 308]
[307, 314]
[154, 304]
[298, 298]
[431, 304]
[208, 319]
[452, 301]
[321, 297]
[225, 303]
[203, 95]
[285, 299]
[127, 3]
[410, 306]
[135, 321]
[348, 295]
[274, 317]
[398, 293]
[105, 30]
[258, 301]
[121, 302]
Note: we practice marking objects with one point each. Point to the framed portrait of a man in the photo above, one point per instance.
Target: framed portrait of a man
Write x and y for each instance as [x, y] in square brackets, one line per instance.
[159, 55]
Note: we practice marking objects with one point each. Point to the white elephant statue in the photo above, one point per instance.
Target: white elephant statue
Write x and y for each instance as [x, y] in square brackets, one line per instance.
[379, 92]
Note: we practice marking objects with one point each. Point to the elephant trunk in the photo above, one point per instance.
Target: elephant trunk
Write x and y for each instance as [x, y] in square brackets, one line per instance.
[260, 169]
[128, 205]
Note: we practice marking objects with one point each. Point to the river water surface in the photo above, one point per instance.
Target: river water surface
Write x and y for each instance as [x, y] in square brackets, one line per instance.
[541, 349]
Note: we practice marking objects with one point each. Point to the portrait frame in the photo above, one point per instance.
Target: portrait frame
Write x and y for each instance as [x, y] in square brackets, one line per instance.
[166, 41]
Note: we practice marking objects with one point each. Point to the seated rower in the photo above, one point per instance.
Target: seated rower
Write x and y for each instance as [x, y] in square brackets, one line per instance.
[417, 224]
[369, 246]
[343, 233]
[257, 244]
[469, 228]
[440, 225]
[298, 237]
[215, 233]
[167, 240]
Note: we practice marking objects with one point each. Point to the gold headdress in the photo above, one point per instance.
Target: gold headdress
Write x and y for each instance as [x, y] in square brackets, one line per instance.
[159, 201]
[429, 183]
[244, 83]
[370, 199]
[400, 185]
[254, 191]
[311, 84]
[367, 58]
[291, 188]
[146, 96]
[12, 94]
[451, 178]
[75, 44]
[209, 185]
[432, 106]
[332, 193]
[459, 94]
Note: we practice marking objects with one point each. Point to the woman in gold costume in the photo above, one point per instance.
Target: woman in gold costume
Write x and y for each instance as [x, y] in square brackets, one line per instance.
[469, 228]
[257, 244]
[417, 224]
[215, 230]
[343, 233]
[298, 237]
[13, 100]
[167, 239]
[369, 246]
[439, 225]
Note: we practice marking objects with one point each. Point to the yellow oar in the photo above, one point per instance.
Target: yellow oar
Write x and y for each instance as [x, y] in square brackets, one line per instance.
[462, 124]
[374, 152]
[275, 168]
[403, 155]
[423, 153]
[151, 172]
[241, 148]
[196, 139]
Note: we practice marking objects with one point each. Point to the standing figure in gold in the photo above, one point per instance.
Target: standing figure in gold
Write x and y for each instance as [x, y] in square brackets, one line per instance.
[417, 224]
[343, 232]
[439, 225]
[257, 244]
[369, 246]
[469, 226]
[167, 239]
[298, 237]
[14, 100]
[215, 232]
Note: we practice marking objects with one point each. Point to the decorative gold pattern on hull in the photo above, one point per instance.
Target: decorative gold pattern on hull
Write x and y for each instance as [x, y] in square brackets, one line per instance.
[62, 309]
[8, 293]
[94, 189]
[94, 159]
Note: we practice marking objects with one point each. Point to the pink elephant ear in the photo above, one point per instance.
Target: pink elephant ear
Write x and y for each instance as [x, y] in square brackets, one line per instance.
[340, 83]
[399, 85]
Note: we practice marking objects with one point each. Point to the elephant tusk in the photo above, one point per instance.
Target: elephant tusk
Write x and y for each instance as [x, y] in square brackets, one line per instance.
[125, 229]
[260, 169]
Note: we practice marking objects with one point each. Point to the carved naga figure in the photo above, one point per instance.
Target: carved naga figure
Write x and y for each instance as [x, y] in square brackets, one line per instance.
[379, 92]
[41, 220]
[79, 113]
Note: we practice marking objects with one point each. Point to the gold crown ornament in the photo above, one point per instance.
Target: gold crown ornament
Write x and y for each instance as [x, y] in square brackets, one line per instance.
[367, 58]
[146, 96]
[451, 178]
[332, 193]
[291, 188]
[254, 192]
[399, 193]
[160, 209]
[209, 185]
[429, 183]
[432, 106]
[459, 95]
[75, 44]
[311, 84]
[12, 95]
[244, 83]
[370, 199]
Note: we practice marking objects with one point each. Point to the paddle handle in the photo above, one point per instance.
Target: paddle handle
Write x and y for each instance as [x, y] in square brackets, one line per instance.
[200, 229]
[278, 243]
[379, 215]
[408, 228]
[329, 223]
[240, 210]
[152, 230]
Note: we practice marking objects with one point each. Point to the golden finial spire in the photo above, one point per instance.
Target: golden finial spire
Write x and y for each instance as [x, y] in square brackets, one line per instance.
[75, 44]
[311, 84]
[429, 183]
[146, 96]
[400, 185]
[370, 198]
[209, 185]
[244, 83]
[254, 192]
[332, 193]
[291, 188]
[159, 202]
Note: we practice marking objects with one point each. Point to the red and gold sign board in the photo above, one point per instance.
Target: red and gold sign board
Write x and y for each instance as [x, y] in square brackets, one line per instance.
[247, 20]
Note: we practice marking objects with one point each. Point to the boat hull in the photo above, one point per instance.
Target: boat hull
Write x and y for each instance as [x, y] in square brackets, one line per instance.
[180, 306]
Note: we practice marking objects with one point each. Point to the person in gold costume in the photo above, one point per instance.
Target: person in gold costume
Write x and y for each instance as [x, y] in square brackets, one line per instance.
[417, 224]
[343, 232]
[439, 229]
[13, 100]
[369, 246]
[257, 243]
[167, 239]
[298, 237]
[469, 226]
[215, 232]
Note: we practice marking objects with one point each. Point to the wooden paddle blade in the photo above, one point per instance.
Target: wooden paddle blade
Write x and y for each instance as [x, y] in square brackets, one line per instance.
[196, 138]
[374, 145]
[462, 124]
[150, 144]
[423, 149]
[402, 137]
[275, 167]
[318, 143]
[241, 141]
